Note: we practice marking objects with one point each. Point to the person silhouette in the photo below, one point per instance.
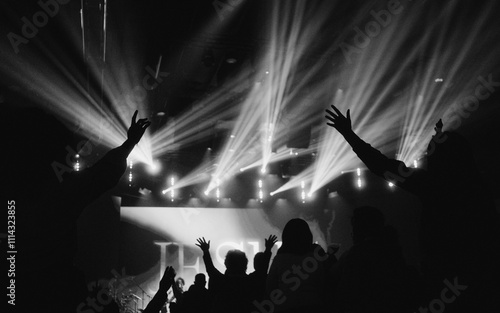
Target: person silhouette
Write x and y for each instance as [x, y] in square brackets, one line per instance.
[372, 275]
[160, 297]
[231, 291]
[175, 295]
[261, 261]
[48, 222]
[459, 225]
[298, 271]
[196, 298]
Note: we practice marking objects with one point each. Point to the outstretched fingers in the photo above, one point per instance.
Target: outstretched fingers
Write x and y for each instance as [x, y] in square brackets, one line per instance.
[134, 117]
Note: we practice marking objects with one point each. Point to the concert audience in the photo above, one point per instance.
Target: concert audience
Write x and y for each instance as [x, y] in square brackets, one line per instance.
[235, 290]
[459, 225]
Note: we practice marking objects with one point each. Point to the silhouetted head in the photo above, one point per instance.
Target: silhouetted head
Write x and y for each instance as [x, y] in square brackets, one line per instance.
[259, 262]
[200, 280]
[296, 237]
[366, 222]
[180, 282]
[236, 262]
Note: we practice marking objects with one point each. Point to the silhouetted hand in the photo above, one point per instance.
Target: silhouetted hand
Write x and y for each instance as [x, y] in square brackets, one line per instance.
[137, 129]
[439, 126]
[168, 278]
[203, 244]
[270, 242]
[337, 120]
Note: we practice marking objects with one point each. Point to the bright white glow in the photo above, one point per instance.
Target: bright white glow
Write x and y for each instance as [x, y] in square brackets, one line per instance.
[154, 168]
[415, 163]
[172, 190]
[130, 176]
[391, 184]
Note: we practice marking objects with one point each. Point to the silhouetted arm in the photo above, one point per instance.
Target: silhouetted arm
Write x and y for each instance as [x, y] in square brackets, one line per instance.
[391, 170]
[110, 168]
[105, 174]
[269, 244]
[159, 299]
[212, 271]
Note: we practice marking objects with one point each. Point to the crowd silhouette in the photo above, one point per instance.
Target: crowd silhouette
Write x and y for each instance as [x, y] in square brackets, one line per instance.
[459, 237]
[459, 225]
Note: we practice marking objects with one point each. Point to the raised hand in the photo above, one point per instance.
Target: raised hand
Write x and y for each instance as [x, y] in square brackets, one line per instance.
[137, 129]
[337, 120]
[439, 127]
[270, 242]
[203, 244]
[168, 278]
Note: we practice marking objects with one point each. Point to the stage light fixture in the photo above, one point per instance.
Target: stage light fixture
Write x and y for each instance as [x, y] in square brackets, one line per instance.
[77, 163]
[130, 175]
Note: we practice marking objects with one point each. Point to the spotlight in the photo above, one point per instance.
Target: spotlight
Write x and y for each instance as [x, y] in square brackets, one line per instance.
[359, 182]
[261, 193]
[130, 176]
[303, 192]
[154, 168]
[172, 191]
[76, 166]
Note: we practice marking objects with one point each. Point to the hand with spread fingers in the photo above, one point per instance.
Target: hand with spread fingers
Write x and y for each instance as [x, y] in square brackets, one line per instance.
[203, 244]
[270, 242]
[137, 128]
[337, 120]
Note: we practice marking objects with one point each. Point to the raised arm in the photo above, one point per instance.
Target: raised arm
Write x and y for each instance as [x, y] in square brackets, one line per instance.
[209, 264]
[390, 169]
[91, 183]
[262, 267]
[270, 242]
[159, 299]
